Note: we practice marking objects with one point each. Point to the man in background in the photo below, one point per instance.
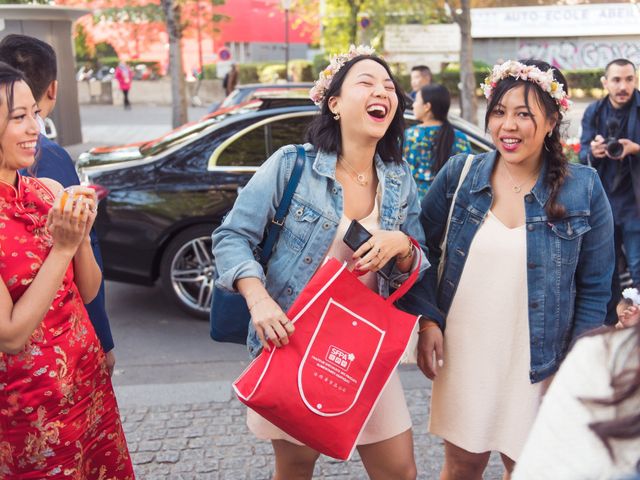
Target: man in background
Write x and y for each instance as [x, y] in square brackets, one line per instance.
[420, 77]
[37, 62]
[610, 143]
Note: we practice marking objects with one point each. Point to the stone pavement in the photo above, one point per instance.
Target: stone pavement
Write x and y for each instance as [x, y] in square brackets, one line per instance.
[197, 431]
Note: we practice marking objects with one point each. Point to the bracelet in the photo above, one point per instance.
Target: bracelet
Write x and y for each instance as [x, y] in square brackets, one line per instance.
[428, 326]
[258, 301]
[409, 253]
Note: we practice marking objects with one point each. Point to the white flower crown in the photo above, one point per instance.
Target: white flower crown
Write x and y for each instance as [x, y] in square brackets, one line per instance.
[632, 294]
[319, 89]
[529, 73]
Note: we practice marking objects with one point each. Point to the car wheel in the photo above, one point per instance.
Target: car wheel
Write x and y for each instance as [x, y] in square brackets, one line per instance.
[186, 270]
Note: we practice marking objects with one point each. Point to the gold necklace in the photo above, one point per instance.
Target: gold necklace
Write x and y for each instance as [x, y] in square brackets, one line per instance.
[360, 178]
[518, 188]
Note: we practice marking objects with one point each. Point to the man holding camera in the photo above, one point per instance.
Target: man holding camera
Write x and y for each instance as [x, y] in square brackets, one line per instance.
[610, 143]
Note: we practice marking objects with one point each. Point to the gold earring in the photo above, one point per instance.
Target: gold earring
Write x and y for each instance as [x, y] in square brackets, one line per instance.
[336, 116]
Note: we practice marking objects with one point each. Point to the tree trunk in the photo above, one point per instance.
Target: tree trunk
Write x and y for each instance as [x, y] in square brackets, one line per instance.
[468, 100]
[178, 85]
[354, 9]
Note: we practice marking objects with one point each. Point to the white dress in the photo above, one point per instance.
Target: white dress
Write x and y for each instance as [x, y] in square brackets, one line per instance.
[482, 398]
[390, 415]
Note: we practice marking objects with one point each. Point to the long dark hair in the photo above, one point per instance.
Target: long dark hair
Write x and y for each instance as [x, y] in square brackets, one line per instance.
[8, 78]
[324, 131]
[440, 99]
[552, 153]
[625, 384]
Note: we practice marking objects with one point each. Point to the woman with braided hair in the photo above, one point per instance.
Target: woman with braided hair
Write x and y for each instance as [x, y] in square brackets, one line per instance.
[526, 265]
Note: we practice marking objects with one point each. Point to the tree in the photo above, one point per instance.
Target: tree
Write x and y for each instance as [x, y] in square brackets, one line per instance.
[25, 2]
[171, 10]
[341, 19]
[461, 14]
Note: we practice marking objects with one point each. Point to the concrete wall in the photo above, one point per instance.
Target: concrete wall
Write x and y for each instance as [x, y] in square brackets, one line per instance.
[150, 92]
[570, 53]
[52, 25]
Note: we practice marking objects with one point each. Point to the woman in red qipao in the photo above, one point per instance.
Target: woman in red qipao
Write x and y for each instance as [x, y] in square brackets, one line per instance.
[58, 413]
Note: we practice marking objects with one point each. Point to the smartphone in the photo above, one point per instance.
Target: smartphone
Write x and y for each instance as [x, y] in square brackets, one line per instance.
[357, 235]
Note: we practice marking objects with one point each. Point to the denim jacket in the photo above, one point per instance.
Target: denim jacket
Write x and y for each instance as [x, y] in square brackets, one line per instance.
[310, 226]
[569, 261]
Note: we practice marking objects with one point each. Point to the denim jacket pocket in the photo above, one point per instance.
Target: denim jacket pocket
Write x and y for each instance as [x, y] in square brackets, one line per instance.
[299, 224]
[568, 233]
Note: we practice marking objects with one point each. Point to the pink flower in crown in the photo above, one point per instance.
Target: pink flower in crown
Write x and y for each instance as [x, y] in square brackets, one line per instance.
[319, 89]
[529, 73]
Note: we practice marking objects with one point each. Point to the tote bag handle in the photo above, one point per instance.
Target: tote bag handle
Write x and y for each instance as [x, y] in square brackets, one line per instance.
[413, 277]
[443, 245]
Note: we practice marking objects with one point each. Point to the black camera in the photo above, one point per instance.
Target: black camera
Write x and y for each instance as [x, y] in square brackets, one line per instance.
[613, 146]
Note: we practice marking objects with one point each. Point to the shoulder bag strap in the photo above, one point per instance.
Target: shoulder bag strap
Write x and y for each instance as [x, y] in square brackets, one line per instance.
[443, 245]
[273, 230]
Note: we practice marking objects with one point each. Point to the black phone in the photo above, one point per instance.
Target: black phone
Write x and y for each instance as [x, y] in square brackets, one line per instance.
[357, 235]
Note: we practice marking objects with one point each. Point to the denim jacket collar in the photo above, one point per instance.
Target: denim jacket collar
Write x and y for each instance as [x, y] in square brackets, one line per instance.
[325, 165]
[482, 178]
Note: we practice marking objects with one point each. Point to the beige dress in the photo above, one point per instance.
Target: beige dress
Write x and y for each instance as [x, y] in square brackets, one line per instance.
[390, 415]
[482, 398]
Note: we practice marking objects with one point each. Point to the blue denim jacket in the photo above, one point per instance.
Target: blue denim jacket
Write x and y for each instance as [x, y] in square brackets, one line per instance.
[310, 226]
[569, 261]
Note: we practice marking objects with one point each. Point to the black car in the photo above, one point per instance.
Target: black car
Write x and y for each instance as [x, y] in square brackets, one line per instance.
[162, 199]
[250, 91]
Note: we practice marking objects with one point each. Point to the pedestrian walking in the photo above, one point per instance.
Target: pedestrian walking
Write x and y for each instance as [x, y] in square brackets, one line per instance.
[353, 170]
[230, 79]
[610, 142]
[528, 253]
[428, 145]
[58, 410]
[124, 76]
[37, 62]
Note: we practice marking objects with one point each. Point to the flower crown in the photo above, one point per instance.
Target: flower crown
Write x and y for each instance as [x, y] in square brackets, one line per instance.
[530, 73]
[632, 294]
[319, 89]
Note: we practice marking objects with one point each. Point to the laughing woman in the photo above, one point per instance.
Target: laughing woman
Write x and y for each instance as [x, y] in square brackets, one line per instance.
[353, 170]
[526, 270]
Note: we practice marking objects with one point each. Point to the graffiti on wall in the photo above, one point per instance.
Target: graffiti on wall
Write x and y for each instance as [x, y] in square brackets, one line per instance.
[577, 55]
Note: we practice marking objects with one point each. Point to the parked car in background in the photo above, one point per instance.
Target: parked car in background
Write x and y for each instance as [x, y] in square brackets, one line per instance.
[244, 93]
[162, 199]
[144, 72]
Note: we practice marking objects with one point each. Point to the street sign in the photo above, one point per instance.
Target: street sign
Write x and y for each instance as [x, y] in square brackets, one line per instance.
[224, 54]
[444, 38]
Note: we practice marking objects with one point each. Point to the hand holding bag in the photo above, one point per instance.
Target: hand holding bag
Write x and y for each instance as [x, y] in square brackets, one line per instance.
[322, 386]
[229, 316]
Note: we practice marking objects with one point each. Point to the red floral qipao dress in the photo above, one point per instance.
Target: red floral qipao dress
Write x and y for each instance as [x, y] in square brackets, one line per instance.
[58, 413]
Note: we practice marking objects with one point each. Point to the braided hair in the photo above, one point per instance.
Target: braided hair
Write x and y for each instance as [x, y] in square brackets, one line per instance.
[552, 153]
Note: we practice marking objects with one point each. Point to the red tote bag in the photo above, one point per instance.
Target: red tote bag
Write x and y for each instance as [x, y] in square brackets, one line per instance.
[323, 386]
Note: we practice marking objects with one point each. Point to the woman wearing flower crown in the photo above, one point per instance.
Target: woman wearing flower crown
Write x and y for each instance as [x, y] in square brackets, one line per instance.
[526, 269]
[353, 170]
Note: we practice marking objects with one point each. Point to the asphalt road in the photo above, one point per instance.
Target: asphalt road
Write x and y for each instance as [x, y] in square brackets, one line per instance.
[158, 343]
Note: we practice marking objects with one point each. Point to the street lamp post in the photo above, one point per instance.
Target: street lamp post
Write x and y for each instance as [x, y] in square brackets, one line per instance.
[286, 4]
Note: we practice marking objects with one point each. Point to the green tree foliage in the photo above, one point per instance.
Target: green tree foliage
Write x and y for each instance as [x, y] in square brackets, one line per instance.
[341, 23]
[26, 2]
[84, 51]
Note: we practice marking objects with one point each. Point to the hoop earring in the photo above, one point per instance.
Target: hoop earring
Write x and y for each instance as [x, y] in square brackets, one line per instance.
[336, 117]
[544, 144]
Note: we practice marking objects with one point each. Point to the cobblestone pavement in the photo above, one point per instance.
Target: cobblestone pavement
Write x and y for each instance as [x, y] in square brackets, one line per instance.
[210, 441]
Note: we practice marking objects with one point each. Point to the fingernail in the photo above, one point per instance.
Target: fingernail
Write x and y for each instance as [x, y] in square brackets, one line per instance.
[441, 363]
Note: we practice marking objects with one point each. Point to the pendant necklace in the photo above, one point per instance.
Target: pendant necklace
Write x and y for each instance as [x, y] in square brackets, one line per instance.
[360, 178]
[515, 187]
